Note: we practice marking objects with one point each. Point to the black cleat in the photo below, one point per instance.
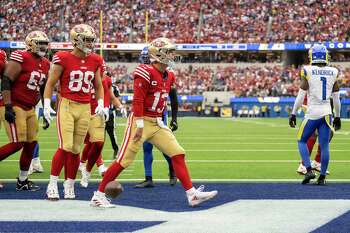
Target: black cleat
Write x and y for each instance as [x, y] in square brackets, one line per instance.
[26, 185]
[321, 180]
[308, 176]
[172, 179]
[148, 183]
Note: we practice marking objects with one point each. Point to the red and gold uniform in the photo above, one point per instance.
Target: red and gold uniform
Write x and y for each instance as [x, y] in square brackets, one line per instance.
[73, 113]
[3, 61]
[96, 130]
[151, 89]
[25, 94]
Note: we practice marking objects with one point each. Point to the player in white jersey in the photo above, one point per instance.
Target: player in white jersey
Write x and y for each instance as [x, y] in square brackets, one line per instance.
[319, 82]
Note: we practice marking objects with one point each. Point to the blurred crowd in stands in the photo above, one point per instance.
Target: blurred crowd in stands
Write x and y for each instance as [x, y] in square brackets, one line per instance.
[205, 21]
[258, 81]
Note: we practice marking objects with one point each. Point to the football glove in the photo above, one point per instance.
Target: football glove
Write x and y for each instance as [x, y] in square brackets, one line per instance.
[10, 115]
[337, 123]
[48, 110]
[46, 123]
[106, 114]
[292, 121]
[123, 111]
[100, 109]
[173, 125]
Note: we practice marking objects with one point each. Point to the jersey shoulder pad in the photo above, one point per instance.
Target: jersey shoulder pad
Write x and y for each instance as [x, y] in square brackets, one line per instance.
[18, 56]
[305, 72]
[143, 71]
[59, 57]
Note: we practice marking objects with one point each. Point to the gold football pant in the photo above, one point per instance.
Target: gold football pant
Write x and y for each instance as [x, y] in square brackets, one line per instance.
[96, 129]
[162, 138]
[25, 128]
[72, 124]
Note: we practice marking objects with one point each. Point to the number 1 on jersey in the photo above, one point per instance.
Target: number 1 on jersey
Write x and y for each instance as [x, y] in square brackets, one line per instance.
[324, 87]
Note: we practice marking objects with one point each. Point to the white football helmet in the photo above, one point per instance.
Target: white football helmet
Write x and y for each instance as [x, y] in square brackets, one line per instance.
[37, 42]
[162, 50]
[83, 37]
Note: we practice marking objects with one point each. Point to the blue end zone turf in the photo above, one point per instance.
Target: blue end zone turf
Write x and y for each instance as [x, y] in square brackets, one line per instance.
[84, 226]
[172, 199]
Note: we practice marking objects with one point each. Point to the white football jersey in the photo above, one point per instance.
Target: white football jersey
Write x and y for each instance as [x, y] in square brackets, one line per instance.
[321, 81]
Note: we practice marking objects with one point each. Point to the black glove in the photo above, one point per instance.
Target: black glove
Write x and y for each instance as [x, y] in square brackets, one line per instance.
[173, 125]
[337, 123]
[292, 121]
[46, 123]
[10, 115]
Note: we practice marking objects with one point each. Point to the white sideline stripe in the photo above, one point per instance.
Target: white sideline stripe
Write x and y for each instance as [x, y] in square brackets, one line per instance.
[194, 180]
[209, 161]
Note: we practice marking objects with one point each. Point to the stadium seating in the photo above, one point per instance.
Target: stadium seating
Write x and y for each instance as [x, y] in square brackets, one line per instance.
[211, 21]
[254, 80]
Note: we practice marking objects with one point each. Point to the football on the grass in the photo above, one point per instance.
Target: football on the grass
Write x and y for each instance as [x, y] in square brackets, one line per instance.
[113, 189]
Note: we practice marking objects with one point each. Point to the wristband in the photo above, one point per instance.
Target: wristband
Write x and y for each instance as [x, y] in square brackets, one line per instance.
[47, 102]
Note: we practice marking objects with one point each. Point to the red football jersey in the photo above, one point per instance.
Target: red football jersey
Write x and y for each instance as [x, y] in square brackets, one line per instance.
[151, 90]
[78, 74]
[25, 90]
[107, 84]
[3, 62]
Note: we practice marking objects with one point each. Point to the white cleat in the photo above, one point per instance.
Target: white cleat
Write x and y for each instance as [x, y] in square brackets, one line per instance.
[85, 176]
[301, 169]
[100, 200]
[35, 167]
[198, 196]
[68, 189]
[317, 166]
[52, 192]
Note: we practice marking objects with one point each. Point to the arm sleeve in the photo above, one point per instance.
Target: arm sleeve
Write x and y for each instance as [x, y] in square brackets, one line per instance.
[17, 56]
[140, 91]
[174, 103]
[336, 103]
[298, 101]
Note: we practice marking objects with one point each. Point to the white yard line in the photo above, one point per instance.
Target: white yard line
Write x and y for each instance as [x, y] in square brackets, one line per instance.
[210, 161]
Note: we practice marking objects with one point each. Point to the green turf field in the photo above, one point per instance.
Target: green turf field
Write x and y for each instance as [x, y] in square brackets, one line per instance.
[217, 149]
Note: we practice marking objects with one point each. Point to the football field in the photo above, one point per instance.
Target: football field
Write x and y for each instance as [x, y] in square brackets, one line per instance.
[251, 162]
[216, 150]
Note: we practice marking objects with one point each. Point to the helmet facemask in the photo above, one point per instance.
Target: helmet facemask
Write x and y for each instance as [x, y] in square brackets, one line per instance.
[37, 42]
[85, 44]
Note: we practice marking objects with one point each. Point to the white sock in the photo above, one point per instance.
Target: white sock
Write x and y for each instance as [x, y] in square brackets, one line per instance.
[190, 191]
[101, 169]
[53, 179]
[70, 182]
[23, 175]
[100, 193]
[36, 159]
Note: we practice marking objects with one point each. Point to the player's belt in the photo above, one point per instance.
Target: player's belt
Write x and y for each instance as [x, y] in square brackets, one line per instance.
[151, 119]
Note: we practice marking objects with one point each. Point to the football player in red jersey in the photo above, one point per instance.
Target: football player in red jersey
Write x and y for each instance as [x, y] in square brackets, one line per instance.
[151, 87]
[95, 138]
[24, 77]
[76, 72]
[3, 61]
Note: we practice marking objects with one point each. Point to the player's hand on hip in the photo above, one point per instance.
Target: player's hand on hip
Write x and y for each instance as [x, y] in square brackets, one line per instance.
[10, 115]
[138, 134]
[337, 123]
[173, 125]
[292, 121]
